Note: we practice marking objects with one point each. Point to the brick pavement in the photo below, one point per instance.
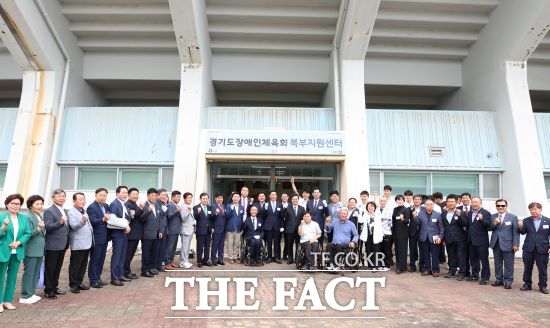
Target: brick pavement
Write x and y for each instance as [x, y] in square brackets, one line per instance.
[407, 299]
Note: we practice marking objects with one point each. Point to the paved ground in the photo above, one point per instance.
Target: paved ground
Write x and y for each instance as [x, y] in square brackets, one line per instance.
[407, 299]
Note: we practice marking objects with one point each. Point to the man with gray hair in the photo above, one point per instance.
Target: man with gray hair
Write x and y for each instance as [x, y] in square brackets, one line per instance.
[344, 236]
[187, 229]
[82, 236]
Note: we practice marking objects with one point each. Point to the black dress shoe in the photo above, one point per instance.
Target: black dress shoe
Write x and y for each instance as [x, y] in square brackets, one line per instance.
[83, 287]
[60, 292]
[278, 261]
[207, 263]
[96, 285]
[525, 287]
[507, 286]
[123, 279]
[51, 296]
[154, 271]
[214, 263]
[268, 261]
[289, 262]
[104, 283]
[161, 269]
[544, 290]
[412, 269]
[398, 271]
[199, 265]
[460, 278]
[117, 283]
[147, 274]
[132, 276]
[497, 284]
[75, 290]
[221, 262]
[483, 282]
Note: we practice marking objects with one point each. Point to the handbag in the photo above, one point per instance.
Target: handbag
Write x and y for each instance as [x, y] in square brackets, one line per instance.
[117, 223]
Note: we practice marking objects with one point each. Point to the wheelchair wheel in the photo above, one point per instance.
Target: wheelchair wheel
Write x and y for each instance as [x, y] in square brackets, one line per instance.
[300, 258]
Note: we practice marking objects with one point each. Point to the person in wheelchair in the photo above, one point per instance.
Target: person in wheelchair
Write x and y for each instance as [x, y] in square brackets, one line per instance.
[344, 238]
[309, 232]
[254, 234]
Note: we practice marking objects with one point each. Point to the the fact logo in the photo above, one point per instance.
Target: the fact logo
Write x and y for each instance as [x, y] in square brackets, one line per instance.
[285, 289]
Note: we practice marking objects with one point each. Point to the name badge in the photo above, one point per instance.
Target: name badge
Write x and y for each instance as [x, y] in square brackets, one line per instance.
[320, 207]
[209, 212]
[507, 223]
[545, 226]
[434, 220]
[278, 210]
[259, 224]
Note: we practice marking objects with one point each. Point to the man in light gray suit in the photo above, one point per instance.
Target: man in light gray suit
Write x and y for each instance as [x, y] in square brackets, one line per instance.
[187, 229]
[504, 242]
[82, 236]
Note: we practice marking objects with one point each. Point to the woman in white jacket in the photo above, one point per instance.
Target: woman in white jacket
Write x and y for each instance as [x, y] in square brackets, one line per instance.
[371, 236]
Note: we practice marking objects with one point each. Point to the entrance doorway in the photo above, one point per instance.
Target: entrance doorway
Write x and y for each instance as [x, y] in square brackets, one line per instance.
[226, 177]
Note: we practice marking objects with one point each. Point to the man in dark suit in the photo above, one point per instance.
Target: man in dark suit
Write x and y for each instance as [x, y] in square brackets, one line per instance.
[254, 233]
[57, 241]
[173, 230]
[455, 237]
[319, 211]
[292, 217]
[535, 247]
[246, 201]
[261, 206]
[272, 228]
[431, 235]
[98, 211]
[160, 256]
[414, 230]
[136, 231]
[202, 213]
[400, 232]
[218, 230]
[466, 207]
[119, 237]
[152, 232]
[504, 242]
[479, 220]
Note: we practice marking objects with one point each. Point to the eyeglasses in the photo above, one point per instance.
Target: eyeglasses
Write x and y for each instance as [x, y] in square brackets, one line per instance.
[501, 205]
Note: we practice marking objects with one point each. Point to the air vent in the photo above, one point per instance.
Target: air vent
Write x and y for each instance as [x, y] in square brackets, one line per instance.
[436, 151]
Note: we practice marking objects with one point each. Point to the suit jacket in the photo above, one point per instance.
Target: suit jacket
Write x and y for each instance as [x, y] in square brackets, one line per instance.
[430, 226]
[118, 210]
[82, 233]
[188, 220]
[319, 213]
[353, 216]
[101, 235]
[261, 209]
[478, 230]
[204, 220]
[37, 243]
[246, 204]
[249, 230]
[273, 217]
[507, 232]
[136, 225]
[57, 234]
[163, 216]
[414, 223]
[6, 237]
[218, 218]
[234, 218]
[173, 217]
[151, 220]
[456, 230]
[400, 229]
[536, 239]
[291, 220]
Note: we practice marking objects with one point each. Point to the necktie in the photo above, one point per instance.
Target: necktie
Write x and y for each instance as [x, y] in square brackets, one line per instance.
[244, 202]
[500, 219]
[204, 210]
[474, 214]
[254, 223]
[221, 208]
[296, 210]
[315, 204]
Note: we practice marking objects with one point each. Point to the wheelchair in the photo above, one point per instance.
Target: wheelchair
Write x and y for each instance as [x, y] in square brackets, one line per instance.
[300, 257]
[246, 254]
[350, 260]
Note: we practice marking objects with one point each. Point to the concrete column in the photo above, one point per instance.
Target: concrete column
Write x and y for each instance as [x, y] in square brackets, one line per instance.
[495, 79]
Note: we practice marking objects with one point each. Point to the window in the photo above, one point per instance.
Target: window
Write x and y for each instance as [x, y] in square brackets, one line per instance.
[417, 182]
[455, 183]
[142, 179]
[547, 183]
[374, 178]
[167, 176]
[93, 178]
[3, 170]
[491, 185]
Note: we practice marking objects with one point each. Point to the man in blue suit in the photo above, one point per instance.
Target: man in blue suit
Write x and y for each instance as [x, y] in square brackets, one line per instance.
[202, 213]
[431, 235]
[479, 220]
[536, 246]
[98, 213]
[319, 211]
[455, 237]
[160, 256]
[152, 233]
[272, 228]
[136, 231]
[173, 230]
[504, 242]
[218, 230]
[119, 237]
[234, 219]
[254, 233]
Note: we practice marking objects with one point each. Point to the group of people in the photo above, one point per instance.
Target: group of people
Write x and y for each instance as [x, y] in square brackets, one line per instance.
[409, 225]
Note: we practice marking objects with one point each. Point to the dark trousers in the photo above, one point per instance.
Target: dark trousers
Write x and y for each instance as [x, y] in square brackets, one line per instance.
[504, 264]
[268, 237]
[292, 240]
[414, 247]
[277, 236]
[255, 247]
[308, 248]
[217, 247]
[120, 245]
[203, 248]
[529, 258]
[97, 259]
[386, 248]
[160, 256]
[53, 261]
[171, 244]
[149, 249]
[480, 254]
[401, 246]
[430, 256]
[442, 258]
[335, 249]
[371, 248]
[130, 252]
[456, 253]
[77, 267]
